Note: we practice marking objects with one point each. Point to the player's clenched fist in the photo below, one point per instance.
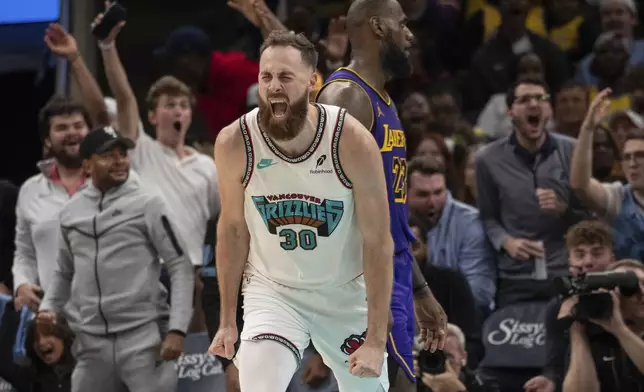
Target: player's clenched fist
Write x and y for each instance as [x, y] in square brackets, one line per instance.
[223, 344]
[367, 361]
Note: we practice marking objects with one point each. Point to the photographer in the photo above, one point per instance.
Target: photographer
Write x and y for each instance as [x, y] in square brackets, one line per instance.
[611, 361]
[590, 249]
[450, 374]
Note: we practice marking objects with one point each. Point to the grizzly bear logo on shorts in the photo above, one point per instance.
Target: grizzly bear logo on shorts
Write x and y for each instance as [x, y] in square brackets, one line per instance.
[353, 343]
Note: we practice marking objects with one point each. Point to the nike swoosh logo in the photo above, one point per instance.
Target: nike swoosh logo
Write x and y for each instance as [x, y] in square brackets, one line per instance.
[263, 165]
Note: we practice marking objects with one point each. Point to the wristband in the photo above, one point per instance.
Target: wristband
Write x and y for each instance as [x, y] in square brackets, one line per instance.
[420, 287]
[105, 46]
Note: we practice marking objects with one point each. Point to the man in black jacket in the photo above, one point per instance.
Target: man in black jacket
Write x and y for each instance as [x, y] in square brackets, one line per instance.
[8, 198]
[8, 370]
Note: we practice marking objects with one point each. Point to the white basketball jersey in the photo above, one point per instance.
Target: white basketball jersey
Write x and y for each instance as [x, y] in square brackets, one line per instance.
[300, 211]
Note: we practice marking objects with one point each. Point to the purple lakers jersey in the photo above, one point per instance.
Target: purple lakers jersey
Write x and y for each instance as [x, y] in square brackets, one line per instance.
[387, 129]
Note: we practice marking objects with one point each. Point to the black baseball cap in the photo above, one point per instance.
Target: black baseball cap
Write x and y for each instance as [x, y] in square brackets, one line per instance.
[185, 40]
[101, 140]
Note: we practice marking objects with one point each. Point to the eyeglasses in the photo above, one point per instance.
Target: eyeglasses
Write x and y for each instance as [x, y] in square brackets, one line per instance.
[523, 99]
[637, 156]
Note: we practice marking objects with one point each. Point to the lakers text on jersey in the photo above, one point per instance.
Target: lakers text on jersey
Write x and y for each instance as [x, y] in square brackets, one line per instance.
[388, 132]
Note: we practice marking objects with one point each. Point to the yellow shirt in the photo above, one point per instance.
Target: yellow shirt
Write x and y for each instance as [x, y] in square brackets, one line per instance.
[492, 20]
[620, 102]
[473, 6]
[319, 81]
[565, 37]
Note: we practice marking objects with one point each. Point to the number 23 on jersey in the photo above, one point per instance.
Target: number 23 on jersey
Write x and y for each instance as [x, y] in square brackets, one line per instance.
[399, 169]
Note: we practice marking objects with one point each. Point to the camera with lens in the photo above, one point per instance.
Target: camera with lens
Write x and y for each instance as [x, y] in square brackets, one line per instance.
[593, 305]
[431, 362]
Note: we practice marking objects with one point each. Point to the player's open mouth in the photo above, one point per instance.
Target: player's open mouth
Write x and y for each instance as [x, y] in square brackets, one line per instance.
[279, 107]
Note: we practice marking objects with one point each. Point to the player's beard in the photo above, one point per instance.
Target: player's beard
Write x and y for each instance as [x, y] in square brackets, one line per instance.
[64, 158]
[287, 126]
[393, 59]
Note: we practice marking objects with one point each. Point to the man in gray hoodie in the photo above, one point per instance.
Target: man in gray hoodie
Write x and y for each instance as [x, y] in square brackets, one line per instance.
[113, 235]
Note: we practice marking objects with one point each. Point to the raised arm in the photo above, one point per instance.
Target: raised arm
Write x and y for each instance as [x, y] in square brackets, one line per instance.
[350, 96]
[362, 163]
[258, 13]
[632, 344]
[581, 374]
[127, 107]
[588, 189]
[63, 44]
[233, 238]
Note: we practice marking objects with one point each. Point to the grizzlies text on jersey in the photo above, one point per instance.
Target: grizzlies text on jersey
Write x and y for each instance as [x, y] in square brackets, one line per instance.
[300, 211]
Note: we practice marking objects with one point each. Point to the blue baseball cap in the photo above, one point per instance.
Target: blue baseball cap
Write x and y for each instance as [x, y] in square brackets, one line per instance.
[185, 40]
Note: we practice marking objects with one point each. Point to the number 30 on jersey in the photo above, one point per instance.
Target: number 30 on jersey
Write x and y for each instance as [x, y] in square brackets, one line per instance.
[305, 239]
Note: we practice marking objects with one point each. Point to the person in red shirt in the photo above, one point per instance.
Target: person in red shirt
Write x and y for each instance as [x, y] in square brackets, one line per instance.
[220, 80]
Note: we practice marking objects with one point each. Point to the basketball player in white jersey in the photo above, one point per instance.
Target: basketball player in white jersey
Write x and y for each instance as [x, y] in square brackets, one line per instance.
[304, 219]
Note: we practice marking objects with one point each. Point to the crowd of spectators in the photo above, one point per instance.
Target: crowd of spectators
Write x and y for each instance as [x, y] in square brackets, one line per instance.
[524, 127]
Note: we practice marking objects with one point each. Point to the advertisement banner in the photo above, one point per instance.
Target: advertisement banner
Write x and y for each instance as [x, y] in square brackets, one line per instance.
[515, 336]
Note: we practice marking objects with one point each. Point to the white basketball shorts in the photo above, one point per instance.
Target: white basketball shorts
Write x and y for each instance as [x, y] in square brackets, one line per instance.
[334, 319]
